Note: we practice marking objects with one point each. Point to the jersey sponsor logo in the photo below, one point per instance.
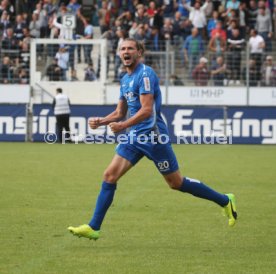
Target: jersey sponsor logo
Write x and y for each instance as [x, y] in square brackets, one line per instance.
[130, 97]
[147, 83]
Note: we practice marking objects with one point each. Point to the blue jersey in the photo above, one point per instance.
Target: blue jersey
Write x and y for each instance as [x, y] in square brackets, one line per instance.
[143, 80]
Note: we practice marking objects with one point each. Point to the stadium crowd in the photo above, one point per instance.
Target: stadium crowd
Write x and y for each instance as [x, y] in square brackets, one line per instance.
[210, 37]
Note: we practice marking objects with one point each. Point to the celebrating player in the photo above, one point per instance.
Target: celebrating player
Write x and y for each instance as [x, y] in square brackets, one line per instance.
[140, 96]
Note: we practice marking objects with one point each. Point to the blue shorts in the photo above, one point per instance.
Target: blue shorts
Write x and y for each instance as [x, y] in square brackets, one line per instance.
[161, 154]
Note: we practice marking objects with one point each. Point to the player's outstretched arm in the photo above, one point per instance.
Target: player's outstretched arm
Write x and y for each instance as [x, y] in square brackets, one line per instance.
[144, 112]
[114, 116]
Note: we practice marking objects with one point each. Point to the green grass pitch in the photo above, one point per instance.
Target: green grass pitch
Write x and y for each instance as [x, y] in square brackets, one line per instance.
[149, 228]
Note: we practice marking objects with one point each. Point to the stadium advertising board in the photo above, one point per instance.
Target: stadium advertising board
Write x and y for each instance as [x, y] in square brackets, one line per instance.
[264, 96]
[246, 125]
[12, 122]
[14, 94]
[194, 95]
[207, 96]
[242, 125]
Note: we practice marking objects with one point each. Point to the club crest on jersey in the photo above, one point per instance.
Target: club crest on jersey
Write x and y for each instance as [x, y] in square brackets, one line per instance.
[147, 83]
[131, 84]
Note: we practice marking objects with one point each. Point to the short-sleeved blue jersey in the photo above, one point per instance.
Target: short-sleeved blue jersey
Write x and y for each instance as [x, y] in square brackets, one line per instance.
[143, 80]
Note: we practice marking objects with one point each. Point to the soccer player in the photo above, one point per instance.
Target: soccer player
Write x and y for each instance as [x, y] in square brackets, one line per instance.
[140, 95]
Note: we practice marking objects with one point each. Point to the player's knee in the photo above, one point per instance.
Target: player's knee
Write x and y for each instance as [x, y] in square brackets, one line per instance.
[109, 176]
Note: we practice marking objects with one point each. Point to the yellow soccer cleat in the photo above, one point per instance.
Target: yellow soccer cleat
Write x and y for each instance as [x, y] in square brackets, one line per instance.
[84, 231]
[230, 210]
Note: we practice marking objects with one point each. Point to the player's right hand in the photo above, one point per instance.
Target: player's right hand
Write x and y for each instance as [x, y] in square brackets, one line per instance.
[94, 122]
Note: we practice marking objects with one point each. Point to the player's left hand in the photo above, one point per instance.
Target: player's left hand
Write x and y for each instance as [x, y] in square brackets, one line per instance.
[116, 127]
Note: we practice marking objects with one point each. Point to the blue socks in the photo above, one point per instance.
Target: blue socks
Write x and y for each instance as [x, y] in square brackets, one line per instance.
[200, 190]
[104, 201]
[189, 185]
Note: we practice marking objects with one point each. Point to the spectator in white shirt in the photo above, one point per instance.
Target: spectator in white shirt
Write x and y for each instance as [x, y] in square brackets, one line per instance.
[63, 61]
[257, 45]
[197, 15]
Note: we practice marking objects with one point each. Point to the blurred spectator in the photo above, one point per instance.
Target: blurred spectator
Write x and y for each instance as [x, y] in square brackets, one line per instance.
[168, 8]
[252, 74]
[35, 26]
[242, 20]
[18, 27]
[181, 8]
[73, 6]
[218, 29]
[7, 6]
[140, 17]
[79, 32]
[43, 20]
[104, 17]
[90, 74]
[10, 42]
[257, 45]
[53, 71]
[167, 30]
[209, 9]
[232, 5]
[201, 73]
[193, 49]
[268, 73]
[158, 18]
[217, 45]
[232, 25]
[151, 11]
[88, 34]
[133, 30]
[186, 28]
[5, 23]
[219, 72]
[212, 23]
[62, 57]
[235, 46]
[264, 27]
[127, 20]
[252, 13]
[6, 71]
[176, 27]
[197, 15]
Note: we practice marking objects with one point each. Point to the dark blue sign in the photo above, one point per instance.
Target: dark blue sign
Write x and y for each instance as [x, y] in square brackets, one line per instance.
[12, 122]
[237, 125]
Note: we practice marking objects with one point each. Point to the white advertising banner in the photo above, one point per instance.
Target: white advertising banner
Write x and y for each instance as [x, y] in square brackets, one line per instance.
[262, 96]
[233, 96]
[14, 94]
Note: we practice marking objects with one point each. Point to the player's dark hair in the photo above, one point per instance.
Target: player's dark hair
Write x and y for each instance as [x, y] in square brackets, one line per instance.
[59, 90]
[139, 45]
